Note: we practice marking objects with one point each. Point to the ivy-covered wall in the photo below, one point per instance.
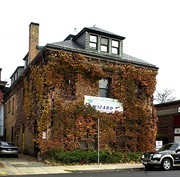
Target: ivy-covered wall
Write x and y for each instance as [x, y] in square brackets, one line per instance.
[53, 103]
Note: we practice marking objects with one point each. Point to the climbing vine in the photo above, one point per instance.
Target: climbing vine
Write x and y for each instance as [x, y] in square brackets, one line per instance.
[54, 97]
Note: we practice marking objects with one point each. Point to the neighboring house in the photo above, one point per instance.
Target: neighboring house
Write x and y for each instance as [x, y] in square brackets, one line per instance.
[2, 90]
[169, 120]
[44, 106]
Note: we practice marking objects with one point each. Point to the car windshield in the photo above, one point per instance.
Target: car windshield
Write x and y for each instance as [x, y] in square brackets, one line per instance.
[11, 144]
[4, 144]
[7, 144]
[171, 146]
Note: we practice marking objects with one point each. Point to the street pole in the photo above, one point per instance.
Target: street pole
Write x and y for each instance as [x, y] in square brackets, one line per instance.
[98, 142]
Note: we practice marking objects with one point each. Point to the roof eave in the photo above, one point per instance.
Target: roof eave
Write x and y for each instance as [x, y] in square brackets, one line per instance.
[97, 32]
[116, 59]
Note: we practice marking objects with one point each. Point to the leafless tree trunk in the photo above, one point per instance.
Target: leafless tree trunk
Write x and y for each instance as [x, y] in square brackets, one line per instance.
[164, 96]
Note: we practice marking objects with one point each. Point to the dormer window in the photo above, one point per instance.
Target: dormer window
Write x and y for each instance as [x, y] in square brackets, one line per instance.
[104, 44]
[115, 47]
[93, 42]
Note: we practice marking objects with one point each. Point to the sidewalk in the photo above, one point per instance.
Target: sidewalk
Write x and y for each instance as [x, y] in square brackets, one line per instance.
[41, 168]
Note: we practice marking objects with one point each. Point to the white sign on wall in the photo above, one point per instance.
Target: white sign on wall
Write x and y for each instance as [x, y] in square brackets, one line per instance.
[178, 109]
[176, 138]
[103, 104]
[159, 144]
[177, 131]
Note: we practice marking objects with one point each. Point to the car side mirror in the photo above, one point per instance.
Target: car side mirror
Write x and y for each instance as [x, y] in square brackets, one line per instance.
[177, 150]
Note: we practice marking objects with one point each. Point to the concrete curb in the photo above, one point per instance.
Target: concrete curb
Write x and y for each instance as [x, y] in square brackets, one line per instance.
[32, 167]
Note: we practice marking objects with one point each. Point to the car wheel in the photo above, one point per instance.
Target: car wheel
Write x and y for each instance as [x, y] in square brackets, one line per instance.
[166, 164]
[148, 167]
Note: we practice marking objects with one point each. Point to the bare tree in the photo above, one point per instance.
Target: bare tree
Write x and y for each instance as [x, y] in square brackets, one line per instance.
[164, 96]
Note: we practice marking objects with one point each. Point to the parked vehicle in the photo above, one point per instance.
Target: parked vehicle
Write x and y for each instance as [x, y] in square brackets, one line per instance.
[166, 157]
[8, 148]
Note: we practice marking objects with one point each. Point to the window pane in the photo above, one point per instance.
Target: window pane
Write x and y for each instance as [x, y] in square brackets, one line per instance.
[92, 45]
[114, 50]
[104, 41]
[93, 38]
[102, 93]
[104, 48]
[103, 83]
[115, 43]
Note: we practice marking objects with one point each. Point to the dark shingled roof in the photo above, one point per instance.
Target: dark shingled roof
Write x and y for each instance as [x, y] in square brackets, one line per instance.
[73, 46]
[70, 44]
[98, 31]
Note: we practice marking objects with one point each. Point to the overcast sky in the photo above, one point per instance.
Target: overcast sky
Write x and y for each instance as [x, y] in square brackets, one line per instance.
[151, 28]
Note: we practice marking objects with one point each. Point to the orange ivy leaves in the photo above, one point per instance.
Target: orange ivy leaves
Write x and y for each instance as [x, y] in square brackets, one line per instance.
[75, 126]
[135, 90]
[62, 64]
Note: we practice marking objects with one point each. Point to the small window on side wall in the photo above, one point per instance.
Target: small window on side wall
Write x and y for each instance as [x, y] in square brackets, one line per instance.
[104, 88]
[93, 41]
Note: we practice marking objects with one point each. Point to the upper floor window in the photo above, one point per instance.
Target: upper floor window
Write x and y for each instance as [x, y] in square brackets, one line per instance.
[13, 104]
[115, 47]
[104, 88]
[138, 91]
[104, 44]
[67, 88]
[93, 42]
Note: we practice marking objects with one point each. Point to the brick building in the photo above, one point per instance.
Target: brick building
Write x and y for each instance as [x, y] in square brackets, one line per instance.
[90, 63]
[169, 120]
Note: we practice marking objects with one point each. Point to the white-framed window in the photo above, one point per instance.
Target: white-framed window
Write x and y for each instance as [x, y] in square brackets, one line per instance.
[104, 88]
[104, 44]
[115, 47]
[93, 42]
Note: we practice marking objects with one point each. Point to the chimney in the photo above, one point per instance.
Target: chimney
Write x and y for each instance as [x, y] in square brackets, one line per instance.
[33, 40]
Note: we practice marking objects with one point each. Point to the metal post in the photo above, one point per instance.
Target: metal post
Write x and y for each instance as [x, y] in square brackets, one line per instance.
[98, 142]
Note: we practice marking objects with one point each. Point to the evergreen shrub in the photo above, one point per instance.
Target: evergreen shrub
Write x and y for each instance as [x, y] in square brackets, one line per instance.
[91, 157]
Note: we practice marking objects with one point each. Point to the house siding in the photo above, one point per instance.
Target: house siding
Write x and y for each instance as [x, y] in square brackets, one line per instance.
[81, 40]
